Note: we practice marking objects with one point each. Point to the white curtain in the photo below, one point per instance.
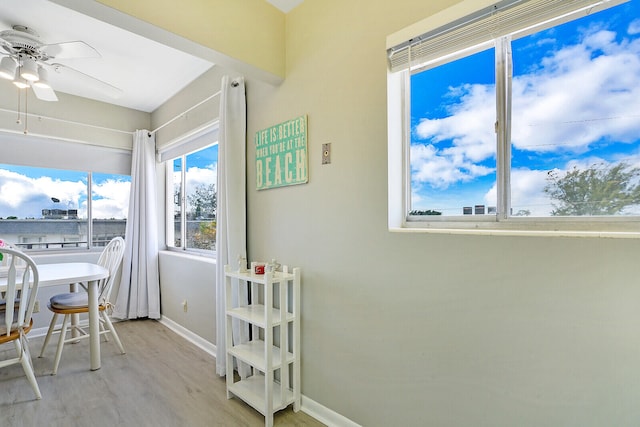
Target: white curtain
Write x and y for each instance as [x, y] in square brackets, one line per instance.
[139, 291]
[231, 239]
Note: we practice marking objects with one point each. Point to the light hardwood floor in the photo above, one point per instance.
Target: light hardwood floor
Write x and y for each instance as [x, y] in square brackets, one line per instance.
[162, 380]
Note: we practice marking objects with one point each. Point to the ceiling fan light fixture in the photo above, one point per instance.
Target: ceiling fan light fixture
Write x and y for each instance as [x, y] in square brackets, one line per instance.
[43, 81]
[7, 68]
[29, 69]
[19, 81]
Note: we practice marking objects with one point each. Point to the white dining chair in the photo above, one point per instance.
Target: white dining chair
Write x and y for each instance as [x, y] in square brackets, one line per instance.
[73, 303]
[16, 313]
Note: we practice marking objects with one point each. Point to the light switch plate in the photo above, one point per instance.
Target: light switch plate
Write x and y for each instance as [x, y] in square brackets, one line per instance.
[326, 153]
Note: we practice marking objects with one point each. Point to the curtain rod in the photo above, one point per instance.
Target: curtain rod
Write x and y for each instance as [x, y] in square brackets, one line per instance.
[40, 116]
[185, 112]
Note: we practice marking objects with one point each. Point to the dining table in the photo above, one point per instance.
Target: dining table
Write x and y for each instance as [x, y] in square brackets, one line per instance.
[69, 273]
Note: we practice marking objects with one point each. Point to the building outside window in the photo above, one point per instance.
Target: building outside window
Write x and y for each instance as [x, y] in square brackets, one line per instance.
[537, 123]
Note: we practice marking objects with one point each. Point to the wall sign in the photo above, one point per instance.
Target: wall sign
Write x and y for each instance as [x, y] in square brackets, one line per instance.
[281, 154]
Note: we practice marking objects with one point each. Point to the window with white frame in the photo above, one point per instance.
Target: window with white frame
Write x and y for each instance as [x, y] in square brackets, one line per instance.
[191, 192]
[45, 208]
[520, 113]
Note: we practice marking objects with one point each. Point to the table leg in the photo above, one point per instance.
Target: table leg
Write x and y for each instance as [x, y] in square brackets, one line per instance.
[94, 329]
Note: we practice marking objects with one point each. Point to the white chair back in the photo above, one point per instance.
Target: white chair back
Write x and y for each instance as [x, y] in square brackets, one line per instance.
[20, 290]
[4, 263]
[111, 258]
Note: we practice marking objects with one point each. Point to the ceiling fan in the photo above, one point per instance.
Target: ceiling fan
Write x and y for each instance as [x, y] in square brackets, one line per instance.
[28, 62]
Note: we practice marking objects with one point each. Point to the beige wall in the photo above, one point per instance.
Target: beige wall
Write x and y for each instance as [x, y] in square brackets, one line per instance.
[191, 279]
[421, 329]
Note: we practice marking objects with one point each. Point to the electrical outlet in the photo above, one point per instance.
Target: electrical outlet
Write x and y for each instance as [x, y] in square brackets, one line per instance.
[36, 307]
[326, 153]
[184, 305]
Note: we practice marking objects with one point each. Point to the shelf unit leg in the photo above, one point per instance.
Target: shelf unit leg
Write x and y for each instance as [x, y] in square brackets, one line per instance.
[228, 334]
[296, 339]
[268, 344]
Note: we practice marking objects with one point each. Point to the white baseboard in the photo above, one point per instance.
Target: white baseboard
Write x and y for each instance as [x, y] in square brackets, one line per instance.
[324, 414]
[308, 406]
[41, 332]
[194, 339]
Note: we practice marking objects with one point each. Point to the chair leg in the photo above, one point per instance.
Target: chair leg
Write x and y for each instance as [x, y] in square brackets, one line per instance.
[103, 330]
[27, 366]
[105, 316]
[49, 333]
[63, 334]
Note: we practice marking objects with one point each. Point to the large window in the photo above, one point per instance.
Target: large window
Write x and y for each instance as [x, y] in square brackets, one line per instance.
[536, 123]
[192, 182]
[42, 208]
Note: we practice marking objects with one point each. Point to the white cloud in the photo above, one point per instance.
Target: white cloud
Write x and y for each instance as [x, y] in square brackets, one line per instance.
[634, 27]
[197, 176]
[25, 197]
[526, 192]
[577, 100]
[111, 199]
[428, 165]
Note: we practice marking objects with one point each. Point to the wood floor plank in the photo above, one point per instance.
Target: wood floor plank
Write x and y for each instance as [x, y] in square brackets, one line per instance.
[162, 380]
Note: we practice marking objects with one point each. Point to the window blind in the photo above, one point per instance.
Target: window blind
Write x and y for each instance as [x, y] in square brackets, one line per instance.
[31, 150]
[477, 31]
[196, 140]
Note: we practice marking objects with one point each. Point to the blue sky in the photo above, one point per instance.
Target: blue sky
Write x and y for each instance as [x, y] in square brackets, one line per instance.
[576, 102]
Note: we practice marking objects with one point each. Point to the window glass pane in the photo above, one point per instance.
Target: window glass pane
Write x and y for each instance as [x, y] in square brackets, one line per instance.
[43, 208]
[453, 141]
[575, 127]
[109, 206]
[200, 192]
[177, 204]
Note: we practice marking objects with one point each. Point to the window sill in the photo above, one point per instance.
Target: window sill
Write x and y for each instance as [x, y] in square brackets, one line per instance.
[190, 255]
[518, 232]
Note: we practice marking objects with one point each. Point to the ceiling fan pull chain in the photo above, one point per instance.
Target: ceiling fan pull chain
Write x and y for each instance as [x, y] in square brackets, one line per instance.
[26, 113]
[18, 109]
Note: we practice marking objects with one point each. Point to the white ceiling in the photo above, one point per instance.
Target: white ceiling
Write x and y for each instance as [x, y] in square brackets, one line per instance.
[147, 72]
[285, 5]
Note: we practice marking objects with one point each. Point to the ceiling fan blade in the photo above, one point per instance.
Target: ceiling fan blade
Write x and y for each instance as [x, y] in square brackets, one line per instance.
[89, 82]
[6, 46]
[44, 93]
[69, 50]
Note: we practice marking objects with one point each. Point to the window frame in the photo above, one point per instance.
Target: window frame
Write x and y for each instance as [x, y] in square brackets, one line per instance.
[399, 143]
[66, 246]
[180, 148]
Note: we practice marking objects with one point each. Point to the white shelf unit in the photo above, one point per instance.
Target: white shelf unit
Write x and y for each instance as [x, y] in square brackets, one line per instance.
[274, 381]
